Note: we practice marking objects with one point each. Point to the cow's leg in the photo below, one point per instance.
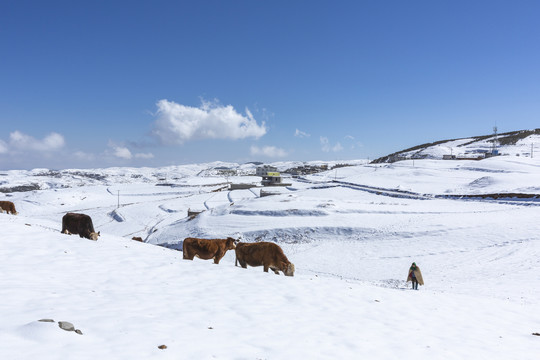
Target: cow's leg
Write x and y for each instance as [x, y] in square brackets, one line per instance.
[275, 271]
[219, 256]
[265, 268]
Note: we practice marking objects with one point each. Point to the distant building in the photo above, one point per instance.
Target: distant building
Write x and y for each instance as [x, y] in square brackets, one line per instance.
[241, 186]
[493, 152]
[264, 170]
[193, 213]
[449, 157]
[271, 179]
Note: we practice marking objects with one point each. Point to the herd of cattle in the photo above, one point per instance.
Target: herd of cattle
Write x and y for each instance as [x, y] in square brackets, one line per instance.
[265, 254]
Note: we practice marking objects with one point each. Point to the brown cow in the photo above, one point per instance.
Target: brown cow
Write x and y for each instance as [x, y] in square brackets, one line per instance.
[137, 238]
[8, 207]
[265, 254]
[207, 248]
[73, 223]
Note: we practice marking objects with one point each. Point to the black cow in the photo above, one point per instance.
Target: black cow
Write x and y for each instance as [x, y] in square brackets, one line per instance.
[73, 223]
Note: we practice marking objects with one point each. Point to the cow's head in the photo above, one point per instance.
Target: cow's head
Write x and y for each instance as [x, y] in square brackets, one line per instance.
[231, 243]
[289, 269]
[94, 236]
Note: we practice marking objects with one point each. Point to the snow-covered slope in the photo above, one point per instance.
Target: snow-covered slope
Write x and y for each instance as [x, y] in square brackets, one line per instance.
[352, 232]
[515, 143]
[129, 298]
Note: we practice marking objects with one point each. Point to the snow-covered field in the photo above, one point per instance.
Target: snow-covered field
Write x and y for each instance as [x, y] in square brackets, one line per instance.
[351, 232]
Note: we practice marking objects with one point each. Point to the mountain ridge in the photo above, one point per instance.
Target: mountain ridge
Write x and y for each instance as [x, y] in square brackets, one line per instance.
[469, 145]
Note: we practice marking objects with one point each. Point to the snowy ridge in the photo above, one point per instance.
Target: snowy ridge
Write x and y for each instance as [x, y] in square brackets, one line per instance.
[515, 143]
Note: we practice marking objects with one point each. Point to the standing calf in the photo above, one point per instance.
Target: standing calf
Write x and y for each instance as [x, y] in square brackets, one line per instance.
[266, 254]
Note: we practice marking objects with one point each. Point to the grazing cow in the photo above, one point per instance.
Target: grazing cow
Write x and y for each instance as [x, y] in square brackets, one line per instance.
[207, 248]
[73, 223]
[265, 254]
[8, 207]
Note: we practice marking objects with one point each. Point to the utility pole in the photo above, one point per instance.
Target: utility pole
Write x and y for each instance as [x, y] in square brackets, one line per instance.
[532, 149]
[495, 141]
[118, 199]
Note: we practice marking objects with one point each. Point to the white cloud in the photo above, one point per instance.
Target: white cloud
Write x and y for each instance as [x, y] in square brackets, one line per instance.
[3, 147]
[177, 123]
[119, 151]
[337, 147]
[326, 147]
[122, 152]
[268, 151]
[349, 137]
[325, 144]
[144, 156]
[23, 142]
[301, 134]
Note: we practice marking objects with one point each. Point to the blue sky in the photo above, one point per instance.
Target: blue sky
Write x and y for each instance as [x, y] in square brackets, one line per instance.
[152, 83]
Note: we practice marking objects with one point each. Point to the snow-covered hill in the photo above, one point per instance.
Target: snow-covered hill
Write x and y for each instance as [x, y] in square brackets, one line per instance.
[515, 143]
[352, 233]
